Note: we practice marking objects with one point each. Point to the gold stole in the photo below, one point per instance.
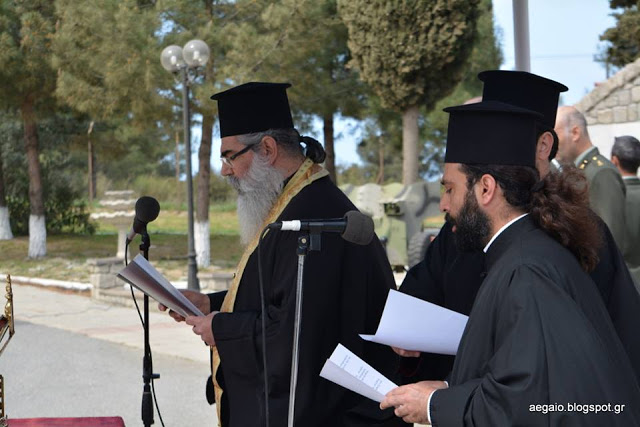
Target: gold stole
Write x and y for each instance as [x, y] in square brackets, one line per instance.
[306, 174]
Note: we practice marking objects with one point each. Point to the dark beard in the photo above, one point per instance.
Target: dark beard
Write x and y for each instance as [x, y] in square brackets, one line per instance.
[473, 226]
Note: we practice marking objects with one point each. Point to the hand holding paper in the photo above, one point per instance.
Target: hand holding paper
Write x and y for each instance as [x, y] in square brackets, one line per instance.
[200, 300]
[409, 323]
[141, 274]
[348, 370]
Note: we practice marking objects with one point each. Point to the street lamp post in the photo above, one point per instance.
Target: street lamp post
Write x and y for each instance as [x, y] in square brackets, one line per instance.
[175, 59]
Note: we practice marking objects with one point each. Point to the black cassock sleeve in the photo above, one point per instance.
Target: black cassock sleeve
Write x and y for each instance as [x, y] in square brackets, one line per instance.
[215, 300]
[544, 351]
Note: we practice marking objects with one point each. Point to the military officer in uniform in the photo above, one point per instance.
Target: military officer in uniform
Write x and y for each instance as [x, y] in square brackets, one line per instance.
[606, 189]
[625, 155]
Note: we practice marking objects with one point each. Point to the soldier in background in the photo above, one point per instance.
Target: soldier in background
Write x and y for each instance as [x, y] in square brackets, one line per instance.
[606, 189]
[625, 155]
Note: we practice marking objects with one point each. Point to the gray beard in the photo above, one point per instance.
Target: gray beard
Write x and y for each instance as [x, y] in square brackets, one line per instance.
[257, 193]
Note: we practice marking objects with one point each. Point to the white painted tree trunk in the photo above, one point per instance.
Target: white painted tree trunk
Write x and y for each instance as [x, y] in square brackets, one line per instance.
[37, 236]
[410, 150]
[5, 226]
[202, 243]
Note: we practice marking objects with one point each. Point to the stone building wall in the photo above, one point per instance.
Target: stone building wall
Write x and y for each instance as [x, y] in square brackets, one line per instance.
[613, 108]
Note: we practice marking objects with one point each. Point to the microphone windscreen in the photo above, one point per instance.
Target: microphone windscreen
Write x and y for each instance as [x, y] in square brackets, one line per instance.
[359, 228]
[147, 209]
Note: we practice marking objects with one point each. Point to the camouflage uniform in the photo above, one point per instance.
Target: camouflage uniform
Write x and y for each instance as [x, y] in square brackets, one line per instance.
[606, 192]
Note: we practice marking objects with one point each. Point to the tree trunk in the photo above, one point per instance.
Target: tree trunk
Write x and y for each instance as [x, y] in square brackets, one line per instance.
[91, 161]
[37, 228]
[410, 145]
[330, 161]
[5, 225]
[90, 164]
[380, 177]
[202, 243]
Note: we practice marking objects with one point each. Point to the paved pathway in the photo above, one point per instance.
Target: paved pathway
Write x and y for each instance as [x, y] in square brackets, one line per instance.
[72, 356]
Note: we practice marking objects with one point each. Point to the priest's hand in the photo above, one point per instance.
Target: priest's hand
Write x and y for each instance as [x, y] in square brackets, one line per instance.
[406, 353]
[198, 299]
[410, 401]
[202, 326]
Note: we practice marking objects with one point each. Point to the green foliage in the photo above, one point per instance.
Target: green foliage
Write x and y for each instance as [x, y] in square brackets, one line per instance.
[63, 213]
[382, 135]
[209, 21]
[385, 126]
[165, 189]
[411, 52]
[107, 57]
[171, 192]
[623, 45]
[108, 60]
[303, 42]
[26, 29]
[219, 189]
[614, 4]
[356, 175]
[62, 174]
[485, 55]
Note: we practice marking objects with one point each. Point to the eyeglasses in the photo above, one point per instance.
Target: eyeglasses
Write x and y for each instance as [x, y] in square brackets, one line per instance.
[228, 160]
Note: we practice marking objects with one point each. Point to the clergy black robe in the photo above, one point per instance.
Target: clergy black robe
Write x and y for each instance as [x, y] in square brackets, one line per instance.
[538, 334]
[451, 279]
[345, 289]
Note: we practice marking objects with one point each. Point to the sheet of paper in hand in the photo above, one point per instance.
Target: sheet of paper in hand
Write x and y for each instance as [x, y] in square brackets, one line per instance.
[349, 371]
[410, 323]
[141, 274]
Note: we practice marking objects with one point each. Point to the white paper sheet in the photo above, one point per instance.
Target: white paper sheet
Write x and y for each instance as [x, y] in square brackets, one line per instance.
[141, 274]
[413, 324]
[349, 371]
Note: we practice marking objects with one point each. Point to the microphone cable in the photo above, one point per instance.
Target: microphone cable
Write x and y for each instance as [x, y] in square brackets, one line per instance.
[263, 312]
[153, 388]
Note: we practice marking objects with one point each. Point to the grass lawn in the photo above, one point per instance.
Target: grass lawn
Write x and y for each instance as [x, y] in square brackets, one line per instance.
[67, 253]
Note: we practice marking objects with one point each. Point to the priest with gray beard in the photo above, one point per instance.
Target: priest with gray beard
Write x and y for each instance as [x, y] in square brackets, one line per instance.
[345, 285]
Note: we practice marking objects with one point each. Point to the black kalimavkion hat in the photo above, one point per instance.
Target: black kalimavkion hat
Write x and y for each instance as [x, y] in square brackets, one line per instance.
[491, 133]
[524, 90]
[253, 107]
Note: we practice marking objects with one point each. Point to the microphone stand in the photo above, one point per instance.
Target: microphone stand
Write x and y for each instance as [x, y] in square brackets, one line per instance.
[147, 369]
[306, 243]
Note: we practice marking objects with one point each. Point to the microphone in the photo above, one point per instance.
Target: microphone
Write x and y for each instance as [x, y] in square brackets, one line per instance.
[354, 227]
[147, 209]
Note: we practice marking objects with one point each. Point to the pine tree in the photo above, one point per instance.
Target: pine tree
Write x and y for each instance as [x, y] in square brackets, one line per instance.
[624, 39]
[207, 21]
[28, 81]
[105, 54]
[302, 42]
[412, 53]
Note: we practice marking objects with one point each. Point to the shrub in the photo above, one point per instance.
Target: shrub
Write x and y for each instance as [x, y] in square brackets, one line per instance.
[62, 214]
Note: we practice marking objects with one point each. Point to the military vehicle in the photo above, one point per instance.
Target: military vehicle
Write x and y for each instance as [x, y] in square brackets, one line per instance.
[399, 214]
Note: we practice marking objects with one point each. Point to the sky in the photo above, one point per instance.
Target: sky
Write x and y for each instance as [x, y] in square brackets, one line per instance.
[563, 40]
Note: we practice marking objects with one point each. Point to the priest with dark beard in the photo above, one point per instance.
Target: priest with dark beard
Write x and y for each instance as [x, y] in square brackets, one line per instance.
[345, 285]
[451, 278]
[539, 347]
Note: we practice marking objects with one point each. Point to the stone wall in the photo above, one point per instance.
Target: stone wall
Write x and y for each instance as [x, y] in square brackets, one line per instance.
[102, 273]
[616, 100]
[613, 108]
